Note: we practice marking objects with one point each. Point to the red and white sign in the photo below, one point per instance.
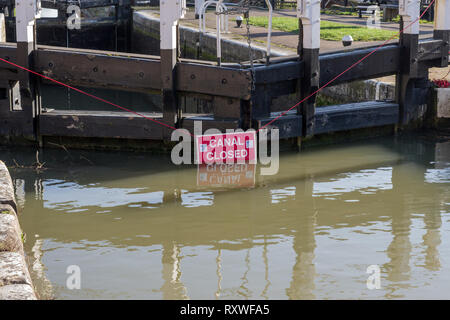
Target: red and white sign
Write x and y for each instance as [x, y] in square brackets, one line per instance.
[239, 147]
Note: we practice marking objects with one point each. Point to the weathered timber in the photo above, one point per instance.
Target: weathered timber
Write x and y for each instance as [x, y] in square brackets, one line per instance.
[208, 122]
[102, 69]
[444, 36]
[98, 69]
[274, 73]
[236, 103]
[289, 125]
[308, 52]
[9, 74]
[334, 64]
[140, 68]
[283, 68]
[431, 50]
[409, 83]
[355, 116]
[29, 101]
[262, 98]
[220, 81]
[226, 108]
[169, 97]
[309, 84]
[101, 124]
[8, 52]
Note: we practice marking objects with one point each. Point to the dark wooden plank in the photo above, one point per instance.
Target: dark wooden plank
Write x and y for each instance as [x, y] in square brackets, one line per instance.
[87, 23]
[208, 122]
[384, 62]
[444, 36]
[226, 108]
[94, 69]
[291, 70]
[430, 50]
[52, 4]
[98, 124]
[8, 74]
[138, 72]
[289, 125]
[355, 116]
[99, 52]
[8, 52]
[214, 80]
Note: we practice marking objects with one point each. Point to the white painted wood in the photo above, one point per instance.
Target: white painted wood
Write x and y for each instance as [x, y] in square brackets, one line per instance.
[170, 12]
[2, 28]
[26, 13]
[309, 12]
[410, 11]
[442, 15]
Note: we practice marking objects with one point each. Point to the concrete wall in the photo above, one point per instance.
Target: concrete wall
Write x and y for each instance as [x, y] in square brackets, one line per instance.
[15, 280]
[360, 91]
[193, 44]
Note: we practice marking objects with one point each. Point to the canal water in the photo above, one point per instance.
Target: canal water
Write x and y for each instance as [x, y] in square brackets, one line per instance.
[138, 227]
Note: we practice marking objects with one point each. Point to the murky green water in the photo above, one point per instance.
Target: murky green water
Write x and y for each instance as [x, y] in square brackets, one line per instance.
[140, 228]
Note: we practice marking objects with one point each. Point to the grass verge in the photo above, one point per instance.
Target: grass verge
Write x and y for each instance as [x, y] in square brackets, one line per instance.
[328, 30]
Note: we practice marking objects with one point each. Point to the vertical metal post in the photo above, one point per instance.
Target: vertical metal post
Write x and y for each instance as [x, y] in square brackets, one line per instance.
[198, 8]
[269, 31]
[308, 12]
[409, 11]
[26, 12]
[170, 11]
[218, 26]
[442, 27]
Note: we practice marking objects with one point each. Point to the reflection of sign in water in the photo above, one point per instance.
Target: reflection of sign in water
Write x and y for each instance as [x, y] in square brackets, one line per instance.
[233, 175]
[237, 147]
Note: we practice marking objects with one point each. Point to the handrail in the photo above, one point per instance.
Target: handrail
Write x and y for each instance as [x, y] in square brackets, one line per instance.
[218, 39]
[202, 20]
[269, 32]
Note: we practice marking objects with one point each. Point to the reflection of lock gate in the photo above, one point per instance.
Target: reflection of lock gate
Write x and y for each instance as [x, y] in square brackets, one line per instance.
[241, 93]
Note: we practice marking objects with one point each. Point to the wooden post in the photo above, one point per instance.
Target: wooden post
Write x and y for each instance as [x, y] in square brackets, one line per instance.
[26, 12]
[308, 13]
[409, 11]
[442, 27]
[2, 28]
[171, 12]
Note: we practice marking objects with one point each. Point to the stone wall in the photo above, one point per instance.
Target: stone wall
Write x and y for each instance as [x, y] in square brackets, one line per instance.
[15, 280]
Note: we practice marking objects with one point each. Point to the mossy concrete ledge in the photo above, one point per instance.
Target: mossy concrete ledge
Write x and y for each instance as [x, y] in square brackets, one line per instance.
[15, 280]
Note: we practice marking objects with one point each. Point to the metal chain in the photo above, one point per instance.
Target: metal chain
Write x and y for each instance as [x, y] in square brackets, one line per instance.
[249, 41]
